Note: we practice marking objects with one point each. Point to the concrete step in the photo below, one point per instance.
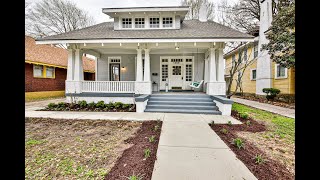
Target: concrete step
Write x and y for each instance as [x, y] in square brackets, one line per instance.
[191, 99]
[199, 107]
[182, 103]
[189, 111]
[181, 95]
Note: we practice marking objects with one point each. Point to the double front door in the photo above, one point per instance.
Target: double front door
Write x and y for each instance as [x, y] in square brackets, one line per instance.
[176, 72]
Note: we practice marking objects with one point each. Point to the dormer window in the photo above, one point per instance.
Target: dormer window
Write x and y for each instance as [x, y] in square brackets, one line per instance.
[167, 22]
[126, 23]
[154, 22]
[139, 22]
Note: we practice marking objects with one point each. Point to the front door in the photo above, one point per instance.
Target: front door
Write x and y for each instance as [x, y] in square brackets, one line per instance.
[114, 72]
[176, 79]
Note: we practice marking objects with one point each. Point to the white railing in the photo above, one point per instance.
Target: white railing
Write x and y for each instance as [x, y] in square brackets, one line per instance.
[108, 86]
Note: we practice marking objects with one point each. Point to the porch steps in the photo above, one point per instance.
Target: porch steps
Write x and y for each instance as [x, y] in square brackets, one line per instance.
[185, 103]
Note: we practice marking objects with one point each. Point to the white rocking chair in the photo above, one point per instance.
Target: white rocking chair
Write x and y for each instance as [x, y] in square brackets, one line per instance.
[196, 86]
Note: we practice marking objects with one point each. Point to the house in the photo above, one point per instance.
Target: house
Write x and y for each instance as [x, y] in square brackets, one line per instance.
[46, 67]
[262, 72]
[147, 50]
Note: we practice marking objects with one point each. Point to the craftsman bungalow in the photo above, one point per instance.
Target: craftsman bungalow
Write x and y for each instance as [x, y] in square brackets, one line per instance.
[146, 50]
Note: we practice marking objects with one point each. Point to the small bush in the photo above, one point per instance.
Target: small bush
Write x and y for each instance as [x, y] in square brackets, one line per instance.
[125, 106]
[118, 105]
[224, 131]
[83, 104]
[271, 93]
[91, 105]
[156, 127]
[244, 115]
[248, 123]
[229, 123]
[100, 104]
[259, 159]
[62, 105]
[52, 105]
[110, 105]
[151, 139]
[147, 153]
[238, 143]
[135, 177]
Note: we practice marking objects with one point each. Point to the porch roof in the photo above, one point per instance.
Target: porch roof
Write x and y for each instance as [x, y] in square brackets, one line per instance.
[190, 29]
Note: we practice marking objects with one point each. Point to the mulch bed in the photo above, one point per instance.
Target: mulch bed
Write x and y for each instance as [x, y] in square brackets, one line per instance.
[270, 169]
[264, 100]
[76, 107]
[132, 160]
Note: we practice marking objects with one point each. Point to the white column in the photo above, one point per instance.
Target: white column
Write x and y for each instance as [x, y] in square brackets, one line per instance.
[220, 65]
[212, 65]
[146, 76]
[78, 70]
[139, 65]
[70, 68]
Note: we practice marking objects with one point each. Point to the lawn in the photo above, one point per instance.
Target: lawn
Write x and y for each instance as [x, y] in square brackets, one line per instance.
[277, 142]
[43, 95]
[74, 149]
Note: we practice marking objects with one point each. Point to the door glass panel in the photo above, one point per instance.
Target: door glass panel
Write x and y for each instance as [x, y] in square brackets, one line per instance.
[176, 70]
[188, 72]
[115, 72]
[164, 72]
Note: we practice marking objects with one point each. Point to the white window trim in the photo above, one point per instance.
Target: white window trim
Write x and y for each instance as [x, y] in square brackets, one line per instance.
[173, 21]
[147, 21]
[149, 24]
[125, 17]
[134, 20]
[282, 77]
[251, 77]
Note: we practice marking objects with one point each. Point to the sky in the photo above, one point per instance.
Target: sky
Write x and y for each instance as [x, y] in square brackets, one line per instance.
[94, 7]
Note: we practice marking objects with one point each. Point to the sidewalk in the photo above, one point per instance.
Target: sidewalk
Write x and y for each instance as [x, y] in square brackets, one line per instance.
[267, 107]
[188, 147]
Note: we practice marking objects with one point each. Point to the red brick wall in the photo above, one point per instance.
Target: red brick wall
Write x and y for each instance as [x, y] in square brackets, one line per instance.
[46, 84]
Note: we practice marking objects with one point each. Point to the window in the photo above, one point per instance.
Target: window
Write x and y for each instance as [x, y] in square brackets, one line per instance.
[139, 22]
[253, 74]
[126, 23]
[167, 22]
[176, 70]
[281, 72]
[154, 22]
[255, 51]
[188, 60]
[50, 72]
[164, 60]
[37, 71]
[188, 72]
[176, 61]
[233, 59]
[115, 72]
[245, 54]
[41, 71]
[164, 72]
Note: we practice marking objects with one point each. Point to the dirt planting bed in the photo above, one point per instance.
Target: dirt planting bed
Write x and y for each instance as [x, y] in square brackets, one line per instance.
[269, 169]
[264, 100]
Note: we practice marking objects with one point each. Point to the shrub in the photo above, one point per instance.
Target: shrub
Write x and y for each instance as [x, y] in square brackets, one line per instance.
[83, 104]
[118, 105]
[238, 143]
[52, 105]
[110, 105]
[91, 105]
[156, 127]
[151, 139]
[244, 115]
[259, 159]
[229, 123]
[147, 153]
[224, 131]
[125, 106]
[271, 93]
[248, 123]
[62, 105]
[135, 177]
[100, 104]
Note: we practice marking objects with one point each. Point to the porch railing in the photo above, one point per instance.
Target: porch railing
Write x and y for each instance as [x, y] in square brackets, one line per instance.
[108, 86]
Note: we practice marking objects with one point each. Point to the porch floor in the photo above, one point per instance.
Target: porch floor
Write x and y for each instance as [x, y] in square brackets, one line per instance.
[177, 92]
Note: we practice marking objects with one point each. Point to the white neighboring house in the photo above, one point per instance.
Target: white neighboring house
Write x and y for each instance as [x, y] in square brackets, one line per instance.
[145, 49]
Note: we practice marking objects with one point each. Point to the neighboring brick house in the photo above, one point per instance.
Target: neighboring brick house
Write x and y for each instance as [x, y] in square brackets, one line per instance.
[46, 67]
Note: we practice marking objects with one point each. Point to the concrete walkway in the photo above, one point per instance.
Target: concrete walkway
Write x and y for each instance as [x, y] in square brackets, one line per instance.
[188, 148]
[267, 107]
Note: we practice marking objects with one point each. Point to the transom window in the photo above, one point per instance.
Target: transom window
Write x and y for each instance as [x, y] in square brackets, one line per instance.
[176, 60]
[154, 22]
[188, 60]
[176, 70]
[164, 60]
[167, 22]
[126, 23]
[164, 72]
[188, 72]
[115, 60]
[139, 22]
[281, 72]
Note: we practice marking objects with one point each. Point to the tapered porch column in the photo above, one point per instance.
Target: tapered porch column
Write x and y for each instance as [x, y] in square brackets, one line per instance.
[78, 70]
[70, 68]
[146, 76]
[139, 66]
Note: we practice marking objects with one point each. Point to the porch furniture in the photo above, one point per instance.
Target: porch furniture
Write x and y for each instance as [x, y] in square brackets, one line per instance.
[196, 84]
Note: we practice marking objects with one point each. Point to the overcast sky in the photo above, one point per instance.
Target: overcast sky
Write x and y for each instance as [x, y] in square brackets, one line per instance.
[94, 7]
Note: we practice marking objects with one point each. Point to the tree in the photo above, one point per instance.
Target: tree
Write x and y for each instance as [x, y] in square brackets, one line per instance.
[50, 17]
[237, 67]
[281, 35]
[195, 8]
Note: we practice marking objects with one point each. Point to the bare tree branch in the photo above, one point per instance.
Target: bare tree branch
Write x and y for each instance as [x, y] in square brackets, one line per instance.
[195, 8]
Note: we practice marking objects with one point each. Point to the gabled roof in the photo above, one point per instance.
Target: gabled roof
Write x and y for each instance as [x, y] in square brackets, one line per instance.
[190, 29]
[54, 56]
[240, 46]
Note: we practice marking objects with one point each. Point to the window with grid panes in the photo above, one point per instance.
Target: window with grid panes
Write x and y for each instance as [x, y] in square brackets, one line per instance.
[188, 72]
[126, 23]
[139, 22]
[154, 22]
[167, 22]
[164, 70]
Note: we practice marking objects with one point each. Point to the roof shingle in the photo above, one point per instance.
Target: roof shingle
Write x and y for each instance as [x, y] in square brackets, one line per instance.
[191, 29]
[52, 55]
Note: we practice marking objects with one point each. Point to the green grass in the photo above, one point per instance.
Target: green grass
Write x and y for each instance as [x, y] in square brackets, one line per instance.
[34, 142]
[43, 95]
[277, 125]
